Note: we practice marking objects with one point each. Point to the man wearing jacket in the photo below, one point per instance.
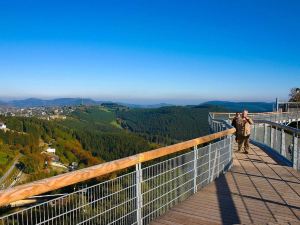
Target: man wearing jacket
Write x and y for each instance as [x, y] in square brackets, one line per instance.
[244, 131]
[234, 122]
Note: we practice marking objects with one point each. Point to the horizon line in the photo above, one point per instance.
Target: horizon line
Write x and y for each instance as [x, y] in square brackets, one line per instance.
[139, 101]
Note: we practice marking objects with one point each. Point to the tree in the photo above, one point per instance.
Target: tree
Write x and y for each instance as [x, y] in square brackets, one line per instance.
[295, 95]
[32, 163]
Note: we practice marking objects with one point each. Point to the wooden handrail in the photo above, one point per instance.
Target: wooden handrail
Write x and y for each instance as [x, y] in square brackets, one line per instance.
[49, 184]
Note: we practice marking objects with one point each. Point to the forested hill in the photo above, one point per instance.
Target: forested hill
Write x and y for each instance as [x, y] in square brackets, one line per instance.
[28, 138]
[97, 129]
[168, 124]
[93, 134]
[89, 136]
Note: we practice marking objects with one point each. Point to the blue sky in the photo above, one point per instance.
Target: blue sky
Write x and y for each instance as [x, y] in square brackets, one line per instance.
[150, 51]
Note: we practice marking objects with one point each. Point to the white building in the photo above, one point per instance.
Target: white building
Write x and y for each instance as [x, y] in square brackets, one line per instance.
[2, 126]
[51, 150]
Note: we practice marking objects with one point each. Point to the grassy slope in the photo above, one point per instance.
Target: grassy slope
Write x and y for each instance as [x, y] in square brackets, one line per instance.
[6, 158]
[92, 118]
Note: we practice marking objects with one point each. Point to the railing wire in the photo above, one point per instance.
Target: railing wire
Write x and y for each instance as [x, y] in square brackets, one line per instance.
[137, 197]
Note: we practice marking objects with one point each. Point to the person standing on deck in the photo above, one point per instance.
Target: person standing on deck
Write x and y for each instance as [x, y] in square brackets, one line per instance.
[243, 131]
[236, 120]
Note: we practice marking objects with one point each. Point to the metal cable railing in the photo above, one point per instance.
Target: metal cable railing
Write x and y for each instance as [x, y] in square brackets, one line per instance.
[136, 197]
[156, 184]
[269, 131]
[278, 117]
[288, 106]
[284, 140]
[182, 176]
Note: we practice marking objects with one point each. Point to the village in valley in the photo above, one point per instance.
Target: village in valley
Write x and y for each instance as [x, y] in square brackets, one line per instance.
[42, 112]
[13, 174]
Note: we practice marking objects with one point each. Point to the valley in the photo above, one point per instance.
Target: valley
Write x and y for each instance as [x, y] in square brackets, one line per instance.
[91, 135]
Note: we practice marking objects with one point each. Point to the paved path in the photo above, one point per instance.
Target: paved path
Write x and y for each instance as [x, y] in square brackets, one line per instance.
[7, 173]
[257, 190]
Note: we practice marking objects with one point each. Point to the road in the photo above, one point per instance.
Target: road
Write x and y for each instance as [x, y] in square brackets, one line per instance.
[17, 178]
[8, 172]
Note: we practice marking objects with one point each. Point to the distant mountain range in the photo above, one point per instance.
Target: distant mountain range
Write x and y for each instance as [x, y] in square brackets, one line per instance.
[239, 106]
[153, 106]
[35, 102]
[3, 103]
[230, 106]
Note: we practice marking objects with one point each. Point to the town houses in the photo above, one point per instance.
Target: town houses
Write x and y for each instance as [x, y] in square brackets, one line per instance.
[2, 126]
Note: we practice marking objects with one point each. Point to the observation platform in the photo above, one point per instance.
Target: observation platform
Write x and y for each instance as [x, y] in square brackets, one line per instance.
[199, 181]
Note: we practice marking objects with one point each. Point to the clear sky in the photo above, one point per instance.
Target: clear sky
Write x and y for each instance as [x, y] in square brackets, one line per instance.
[150, 51]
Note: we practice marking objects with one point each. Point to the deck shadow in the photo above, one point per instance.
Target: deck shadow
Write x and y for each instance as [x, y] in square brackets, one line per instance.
[225, 201]
[274, 155]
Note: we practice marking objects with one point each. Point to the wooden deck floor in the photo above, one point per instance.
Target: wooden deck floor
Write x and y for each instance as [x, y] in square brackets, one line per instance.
[257, 190]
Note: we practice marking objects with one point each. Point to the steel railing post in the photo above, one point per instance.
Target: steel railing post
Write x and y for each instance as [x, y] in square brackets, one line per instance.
[295, 152]
[265, 133]
[195, 168]
[275, 146]
[218, 162]
[272, 138]
[213, 167]
[230, 151]
[139, 197]
[283, 152]
[209, 159]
